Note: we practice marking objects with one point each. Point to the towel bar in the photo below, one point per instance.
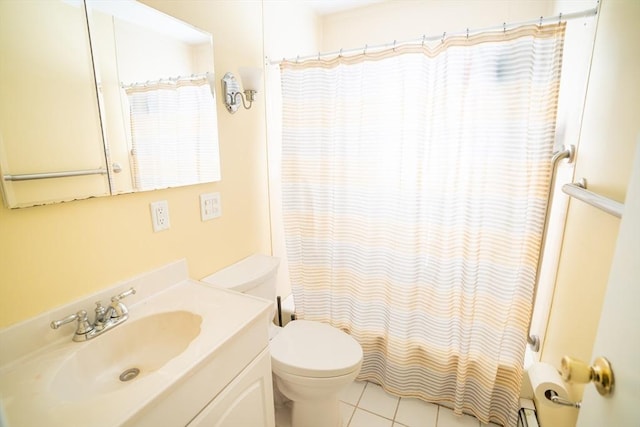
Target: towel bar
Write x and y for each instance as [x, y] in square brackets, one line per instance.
[580, 192]
[45, 175]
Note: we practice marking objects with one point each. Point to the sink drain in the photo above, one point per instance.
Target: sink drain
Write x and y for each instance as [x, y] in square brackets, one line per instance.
[129, 374]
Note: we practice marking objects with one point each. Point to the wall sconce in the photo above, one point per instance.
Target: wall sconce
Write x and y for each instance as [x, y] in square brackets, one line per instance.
[251, 79]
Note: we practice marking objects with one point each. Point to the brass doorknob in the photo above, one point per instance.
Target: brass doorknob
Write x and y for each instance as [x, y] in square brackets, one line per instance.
[577, 371]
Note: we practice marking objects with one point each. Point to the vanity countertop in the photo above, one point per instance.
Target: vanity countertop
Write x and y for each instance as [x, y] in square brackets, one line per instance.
[31, 382]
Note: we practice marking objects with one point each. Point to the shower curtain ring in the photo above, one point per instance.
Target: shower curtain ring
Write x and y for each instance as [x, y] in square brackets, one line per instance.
[443, 36]
[560, 18]
[365, 49]
[394, 45]
[424, 37]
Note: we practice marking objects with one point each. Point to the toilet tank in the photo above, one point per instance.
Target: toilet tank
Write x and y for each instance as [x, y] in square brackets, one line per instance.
[254, 275]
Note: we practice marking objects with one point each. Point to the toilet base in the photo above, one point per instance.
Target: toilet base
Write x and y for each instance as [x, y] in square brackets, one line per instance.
[279, 399]
[324, 413]
[314, 401]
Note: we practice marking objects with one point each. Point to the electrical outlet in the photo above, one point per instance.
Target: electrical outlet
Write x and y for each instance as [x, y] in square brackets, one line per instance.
[160, 215]
[210, 206]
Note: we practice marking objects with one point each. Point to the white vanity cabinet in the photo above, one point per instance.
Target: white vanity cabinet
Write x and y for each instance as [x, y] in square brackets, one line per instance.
[247, 401]
[230, 387]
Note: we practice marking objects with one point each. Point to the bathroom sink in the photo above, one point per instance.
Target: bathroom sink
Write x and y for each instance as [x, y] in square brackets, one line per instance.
[188, 341]
[126, 354]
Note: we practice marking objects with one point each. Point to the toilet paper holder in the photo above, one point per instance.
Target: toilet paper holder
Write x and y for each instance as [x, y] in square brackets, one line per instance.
[577, 371]
[554, 398]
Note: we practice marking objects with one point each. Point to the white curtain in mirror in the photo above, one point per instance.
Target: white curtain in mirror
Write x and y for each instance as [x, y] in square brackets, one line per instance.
[173, 133]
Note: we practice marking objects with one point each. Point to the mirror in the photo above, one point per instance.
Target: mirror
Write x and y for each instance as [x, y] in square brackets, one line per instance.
[154, 124]
[49, 118]
[154, 77]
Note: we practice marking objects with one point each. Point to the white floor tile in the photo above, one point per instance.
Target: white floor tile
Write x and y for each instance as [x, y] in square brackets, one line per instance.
[352, 393]
[446, 418]
[364, 404]
[378, 401]
[367, 419]
[346, 412]
[416, 413]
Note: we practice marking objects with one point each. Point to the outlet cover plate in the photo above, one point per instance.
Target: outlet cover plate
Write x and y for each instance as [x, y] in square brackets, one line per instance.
[160, 215]
[210, 206]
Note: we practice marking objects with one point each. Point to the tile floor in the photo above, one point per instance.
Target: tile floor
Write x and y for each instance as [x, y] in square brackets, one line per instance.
[364, 404]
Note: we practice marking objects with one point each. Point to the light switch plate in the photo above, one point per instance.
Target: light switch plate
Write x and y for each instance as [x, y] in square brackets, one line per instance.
[160, 215]
[210, 206]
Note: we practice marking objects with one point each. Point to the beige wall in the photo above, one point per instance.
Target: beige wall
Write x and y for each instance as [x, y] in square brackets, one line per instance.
[50, 255]
[299, 19]
[285, 18]
[610, 128]
[576, 61]
[409, 19]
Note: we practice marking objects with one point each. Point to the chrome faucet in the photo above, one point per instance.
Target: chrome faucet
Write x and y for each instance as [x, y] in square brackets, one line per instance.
[106, 318]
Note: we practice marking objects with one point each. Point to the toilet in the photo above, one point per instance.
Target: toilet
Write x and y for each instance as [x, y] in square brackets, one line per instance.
[311, 361]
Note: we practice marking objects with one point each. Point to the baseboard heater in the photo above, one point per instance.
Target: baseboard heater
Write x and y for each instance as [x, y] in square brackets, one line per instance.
[527, 418]
[527, 415]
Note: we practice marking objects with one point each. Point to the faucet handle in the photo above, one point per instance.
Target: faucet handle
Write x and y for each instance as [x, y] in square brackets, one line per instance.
[57, 323]
[119, 308]
[123, 295]
[80, 316]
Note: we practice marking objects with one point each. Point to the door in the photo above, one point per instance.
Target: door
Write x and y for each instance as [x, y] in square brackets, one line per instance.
[618, 336]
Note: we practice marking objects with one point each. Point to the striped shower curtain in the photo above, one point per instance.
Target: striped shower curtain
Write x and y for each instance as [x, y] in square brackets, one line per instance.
[414, 185]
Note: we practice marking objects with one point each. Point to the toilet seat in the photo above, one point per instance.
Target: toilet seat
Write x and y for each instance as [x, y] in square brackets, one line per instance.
[314, 349]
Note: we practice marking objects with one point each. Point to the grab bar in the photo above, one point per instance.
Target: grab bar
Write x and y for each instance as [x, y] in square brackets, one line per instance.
[580, 192]
[46, 175]
[568, 153]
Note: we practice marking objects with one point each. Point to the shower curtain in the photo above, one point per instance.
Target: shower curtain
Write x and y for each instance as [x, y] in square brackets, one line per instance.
[414, 188]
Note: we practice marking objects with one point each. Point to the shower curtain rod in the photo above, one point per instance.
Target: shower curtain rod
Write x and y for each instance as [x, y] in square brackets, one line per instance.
[166, 80]
[424, 38]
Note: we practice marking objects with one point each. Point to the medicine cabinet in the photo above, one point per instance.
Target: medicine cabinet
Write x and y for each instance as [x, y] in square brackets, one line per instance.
[102, 97]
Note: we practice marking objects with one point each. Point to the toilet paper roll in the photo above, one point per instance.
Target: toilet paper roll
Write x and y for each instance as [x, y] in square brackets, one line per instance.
[545, 380]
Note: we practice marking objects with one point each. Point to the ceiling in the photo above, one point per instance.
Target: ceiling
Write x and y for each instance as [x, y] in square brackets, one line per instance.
[326, 7]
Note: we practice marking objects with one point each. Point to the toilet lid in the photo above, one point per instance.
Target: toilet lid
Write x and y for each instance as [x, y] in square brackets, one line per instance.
[314, 349]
